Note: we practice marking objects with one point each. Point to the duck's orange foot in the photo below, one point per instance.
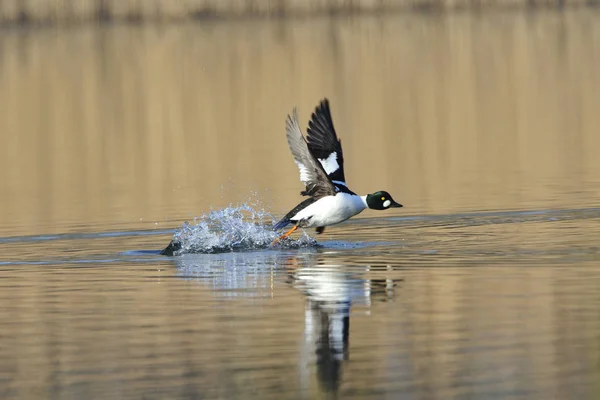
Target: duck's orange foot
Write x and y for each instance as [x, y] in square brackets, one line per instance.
[285, 235]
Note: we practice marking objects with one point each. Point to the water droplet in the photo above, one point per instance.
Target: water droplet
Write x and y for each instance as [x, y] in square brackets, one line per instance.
[234, 228]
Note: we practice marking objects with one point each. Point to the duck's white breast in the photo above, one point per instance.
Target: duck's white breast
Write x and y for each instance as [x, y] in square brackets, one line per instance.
[331, 210]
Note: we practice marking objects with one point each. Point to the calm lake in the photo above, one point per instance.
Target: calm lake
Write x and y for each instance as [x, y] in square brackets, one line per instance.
[486, 285]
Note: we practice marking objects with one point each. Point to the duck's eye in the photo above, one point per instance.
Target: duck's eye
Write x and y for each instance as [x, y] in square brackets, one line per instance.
[382, 198]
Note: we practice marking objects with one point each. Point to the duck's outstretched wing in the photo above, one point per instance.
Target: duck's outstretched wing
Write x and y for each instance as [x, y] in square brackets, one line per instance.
[324, 143]
[311, 171]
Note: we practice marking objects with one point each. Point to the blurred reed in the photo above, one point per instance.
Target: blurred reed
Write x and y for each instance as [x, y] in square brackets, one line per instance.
[68, 11]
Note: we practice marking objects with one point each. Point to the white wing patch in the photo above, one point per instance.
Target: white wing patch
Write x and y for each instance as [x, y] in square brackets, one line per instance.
[304, 175]
[330, 163]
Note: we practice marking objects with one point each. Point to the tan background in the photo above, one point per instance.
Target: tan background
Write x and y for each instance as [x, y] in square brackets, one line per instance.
[136, 126]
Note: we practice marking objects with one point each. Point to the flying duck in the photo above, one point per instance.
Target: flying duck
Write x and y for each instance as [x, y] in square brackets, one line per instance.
[321, 163]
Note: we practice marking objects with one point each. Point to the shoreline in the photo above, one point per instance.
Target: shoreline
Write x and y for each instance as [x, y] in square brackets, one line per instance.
[45, 12]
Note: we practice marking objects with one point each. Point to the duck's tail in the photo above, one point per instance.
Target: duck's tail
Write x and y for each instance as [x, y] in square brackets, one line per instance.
[281, 224]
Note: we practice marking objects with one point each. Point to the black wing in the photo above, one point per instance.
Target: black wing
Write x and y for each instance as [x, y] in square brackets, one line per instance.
[311, 171]
[324, 143]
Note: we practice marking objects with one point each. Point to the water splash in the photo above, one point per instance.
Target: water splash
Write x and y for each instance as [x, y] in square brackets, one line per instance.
[235, 228]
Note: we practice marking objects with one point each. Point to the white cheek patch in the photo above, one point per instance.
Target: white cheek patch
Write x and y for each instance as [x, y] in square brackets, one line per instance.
[330, 163]
[387, 203]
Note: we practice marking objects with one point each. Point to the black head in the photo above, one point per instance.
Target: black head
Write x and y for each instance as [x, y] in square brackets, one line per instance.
[381, 201]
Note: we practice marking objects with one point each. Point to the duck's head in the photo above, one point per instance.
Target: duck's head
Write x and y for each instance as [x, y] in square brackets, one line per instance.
[381, 201]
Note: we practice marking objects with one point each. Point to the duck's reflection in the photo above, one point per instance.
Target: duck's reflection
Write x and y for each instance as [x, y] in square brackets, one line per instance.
[331, 290]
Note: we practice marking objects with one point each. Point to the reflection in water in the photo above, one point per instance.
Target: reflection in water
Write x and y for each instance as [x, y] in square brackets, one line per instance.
[328, 330]
[505, 305]
[232, 274]
[330, 293]
[330, 290]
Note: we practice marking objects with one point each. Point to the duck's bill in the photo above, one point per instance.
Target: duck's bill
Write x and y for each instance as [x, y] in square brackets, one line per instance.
[396, 205]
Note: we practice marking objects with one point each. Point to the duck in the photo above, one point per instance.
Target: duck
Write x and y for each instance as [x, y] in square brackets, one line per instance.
[320, 159]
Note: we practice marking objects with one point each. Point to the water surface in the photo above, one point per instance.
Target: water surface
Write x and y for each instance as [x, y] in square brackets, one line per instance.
[484, 286]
